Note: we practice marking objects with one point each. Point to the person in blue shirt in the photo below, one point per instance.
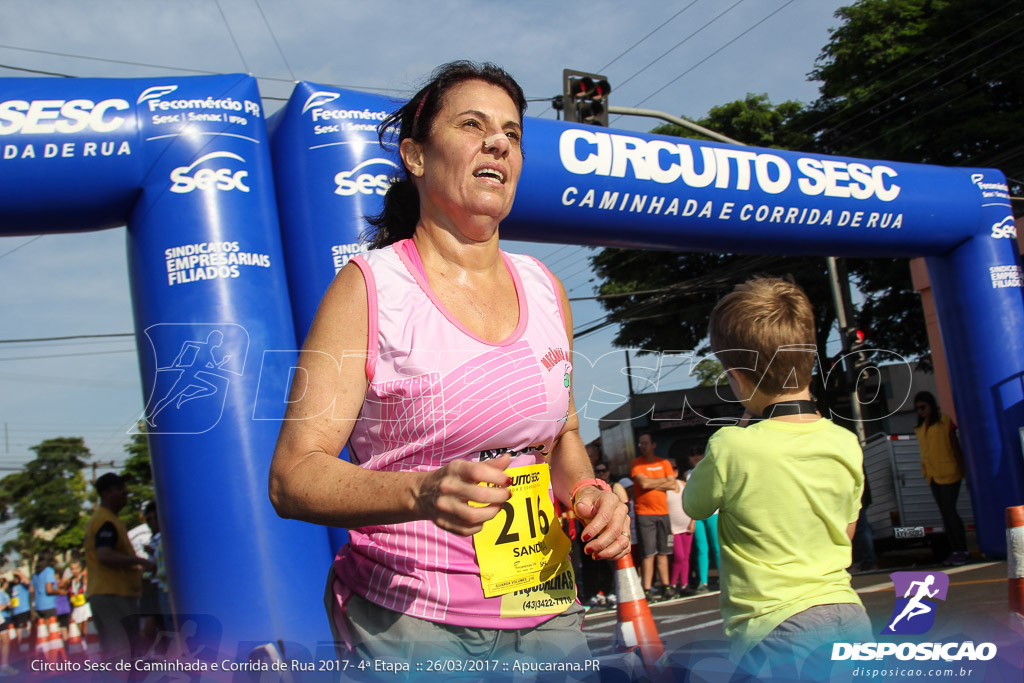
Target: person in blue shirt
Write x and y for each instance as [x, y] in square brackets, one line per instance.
[44, 588]
[20, 606]
[5, 602]
[5, 642]
[20, 600]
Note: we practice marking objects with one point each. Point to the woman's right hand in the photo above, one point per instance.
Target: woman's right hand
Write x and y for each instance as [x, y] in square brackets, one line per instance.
[444, 496]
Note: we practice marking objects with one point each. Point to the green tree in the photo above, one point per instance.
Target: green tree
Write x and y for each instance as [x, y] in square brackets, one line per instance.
[139, 469]
[46, 498]
[662, 300]
[755, 121]
[710, 373]
[924, 81]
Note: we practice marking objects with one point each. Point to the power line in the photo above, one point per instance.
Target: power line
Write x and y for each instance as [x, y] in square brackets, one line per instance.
[186, 70]
[23, 244]
[1001, 158]
[35, 71]
[74, 336]
[69, 355]
[110, 61]
[586, 266]
[62, 345]
[772, 14]
[671, 49]
[660, 26]
[629, 260]
[232, 34]
[552, 264]
[938, 89]
[927, 112]
[68, 381]
[713, 279]
[274, 38]
[936, 47]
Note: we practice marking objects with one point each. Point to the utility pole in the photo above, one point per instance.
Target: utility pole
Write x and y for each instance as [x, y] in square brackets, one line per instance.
[97, 465]
[840, 285]
[629, 376]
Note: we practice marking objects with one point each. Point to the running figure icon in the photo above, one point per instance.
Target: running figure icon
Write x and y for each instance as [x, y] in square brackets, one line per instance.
[916, 607]
[196, 358]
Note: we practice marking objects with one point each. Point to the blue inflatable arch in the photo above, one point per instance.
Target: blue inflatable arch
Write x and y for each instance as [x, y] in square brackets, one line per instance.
[234, 235]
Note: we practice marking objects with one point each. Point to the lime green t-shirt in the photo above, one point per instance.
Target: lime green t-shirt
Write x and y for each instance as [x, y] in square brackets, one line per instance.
[785, 492]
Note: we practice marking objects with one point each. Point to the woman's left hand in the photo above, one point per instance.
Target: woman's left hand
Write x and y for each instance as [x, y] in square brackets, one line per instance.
[606, 533]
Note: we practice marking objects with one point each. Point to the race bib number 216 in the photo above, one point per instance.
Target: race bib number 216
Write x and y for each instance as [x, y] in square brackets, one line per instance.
[524, 545]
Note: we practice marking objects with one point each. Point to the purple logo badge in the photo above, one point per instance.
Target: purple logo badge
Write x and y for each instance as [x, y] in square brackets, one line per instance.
[914, 612]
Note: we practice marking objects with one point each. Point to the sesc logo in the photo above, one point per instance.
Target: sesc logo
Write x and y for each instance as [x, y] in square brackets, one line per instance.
[223, 179]
[1005, 228]
[364, 183]
[60, 116]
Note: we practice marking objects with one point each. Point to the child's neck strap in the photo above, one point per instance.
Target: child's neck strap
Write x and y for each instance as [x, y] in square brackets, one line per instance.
[791, 407]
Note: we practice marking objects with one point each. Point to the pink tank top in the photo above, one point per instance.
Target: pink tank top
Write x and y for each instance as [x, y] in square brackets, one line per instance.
[437, 393]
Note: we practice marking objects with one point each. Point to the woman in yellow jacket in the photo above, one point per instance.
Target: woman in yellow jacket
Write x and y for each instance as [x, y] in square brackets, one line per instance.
[942, 464]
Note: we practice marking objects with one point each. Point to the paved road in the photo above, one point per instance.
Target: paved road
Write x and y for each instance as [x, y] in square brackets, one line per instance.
[975, 608]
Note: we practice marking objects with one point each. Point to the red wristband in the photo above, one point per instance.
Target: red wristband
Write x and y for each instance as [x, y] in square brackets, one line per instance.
[599, 483]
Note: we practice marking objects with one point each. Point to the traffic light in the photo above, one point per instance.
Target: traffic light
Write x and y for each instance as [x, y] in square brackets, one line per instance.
[585, 97]
[857, 357]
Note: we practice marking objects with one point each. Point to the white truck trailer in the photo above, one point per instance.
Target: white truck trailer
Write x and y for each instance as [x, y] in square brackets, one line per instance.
[902, 510]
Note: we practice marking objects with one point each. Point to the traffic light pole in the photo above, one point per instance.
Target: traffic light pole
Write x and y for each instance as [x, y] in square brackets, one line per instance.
[841, 297]
[839, 286]
[682, 123]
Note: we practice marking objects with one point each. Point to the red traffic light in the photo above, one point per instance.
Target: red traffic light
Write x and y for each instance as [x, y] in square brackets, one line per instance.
[582, 87]
[585, 97]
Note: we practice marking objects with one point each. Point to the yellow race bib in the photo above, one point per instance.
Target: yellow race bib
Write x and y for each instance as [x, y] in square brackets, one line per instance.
[77, 600]
[524, 545]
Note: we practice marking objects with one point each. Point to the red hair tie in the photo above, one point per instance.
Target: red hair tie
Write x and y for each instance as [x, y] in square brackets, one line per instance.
[416, 116]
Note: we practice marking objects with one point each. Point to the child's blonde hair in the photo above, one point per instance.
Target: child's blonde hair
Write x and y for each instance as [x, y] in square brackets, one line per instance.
[753, 327]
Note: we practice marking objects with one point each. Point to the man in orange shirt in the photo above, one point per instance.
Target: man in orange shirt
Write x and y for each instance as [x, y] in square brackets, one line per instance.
[652, 477]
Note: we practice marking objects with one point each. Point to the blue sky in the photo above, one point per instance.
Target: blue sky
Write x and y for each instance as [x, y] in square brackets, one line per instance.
[680, 57]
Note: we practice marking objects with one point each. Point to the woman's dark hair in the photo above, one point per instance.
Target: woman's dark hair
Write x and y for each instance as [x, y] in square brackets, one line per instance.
[397, 220]
[926, 397]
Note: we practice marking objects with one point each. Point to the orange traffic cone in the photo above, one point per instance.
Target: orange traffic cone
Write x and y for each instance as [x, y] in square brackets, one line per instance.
[42, 639]
[636, 629]
[1015, 564]
[77, 649]
[55, 651]
[13, 639]
[25, 640]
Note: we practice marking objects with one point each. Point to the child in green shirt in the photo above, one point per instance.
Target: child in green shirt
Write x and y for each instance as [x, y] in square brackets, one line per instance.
[787, 487]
